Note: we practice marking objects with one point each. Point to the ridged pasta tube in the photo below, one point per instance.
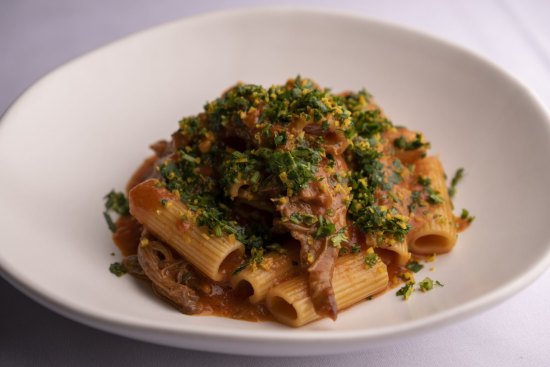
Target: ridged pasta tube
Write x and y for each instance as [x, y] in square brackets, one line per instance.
[258, 280]
[435, 231]
[353, 281]
[166, 217]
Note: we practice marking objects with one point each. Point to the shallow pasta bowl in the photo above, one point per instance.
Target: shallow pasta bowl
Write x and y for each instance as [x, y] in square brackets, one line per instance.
[82, 130]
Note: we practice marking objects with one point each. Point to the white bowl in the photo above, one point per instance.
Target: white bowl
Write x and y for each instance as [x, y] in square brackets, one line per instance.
[82, 130]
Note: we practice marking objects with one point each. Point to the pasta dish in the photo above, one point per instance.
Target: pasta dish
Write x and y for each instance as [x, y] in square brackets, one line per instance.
[289, 203]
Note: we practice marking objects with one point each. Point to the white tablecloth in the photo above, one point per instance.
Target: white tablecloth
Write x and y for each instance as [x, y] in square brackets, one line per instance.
[38, 36]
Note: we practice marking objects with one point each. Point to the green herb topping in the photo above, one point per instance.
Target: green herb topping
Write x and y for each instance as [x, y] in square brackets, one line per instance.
[295, 169]
[432, 196]
[252, 148]
[417, 143]
[339, 238]
[405, 291]
[115, 202]
[414, 266]
[465, 214]
[117, 269]
[371, 259]
[325, 228]
[458, 176]
[427, 284]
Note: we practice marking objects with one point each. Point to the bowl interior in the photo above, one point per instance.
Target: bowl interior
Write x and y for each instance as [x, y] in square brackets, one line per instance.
[83, 129]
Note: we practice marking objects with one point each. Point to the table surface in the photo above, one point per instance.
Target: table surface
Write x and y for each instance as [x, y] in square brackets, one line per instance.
[38, 36]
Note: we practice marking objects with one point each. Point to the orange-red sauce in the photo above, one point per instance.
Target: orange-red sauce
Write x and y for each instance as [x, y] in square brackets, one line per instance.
[219, 298]
[127, 234]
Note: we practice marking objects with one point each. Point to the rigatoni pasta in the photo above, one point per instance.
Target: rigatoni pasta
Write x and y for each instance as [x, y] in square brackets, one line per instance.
[258, 280]
[289, 203]
[436, 230]
[167, 218]
[353, 281]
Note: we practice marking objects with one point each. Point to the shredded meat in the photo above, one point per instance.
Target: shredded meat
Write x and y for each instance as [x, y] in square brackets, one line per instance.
[320, 198]
[167, 275]
[132, 266]
[324, 200]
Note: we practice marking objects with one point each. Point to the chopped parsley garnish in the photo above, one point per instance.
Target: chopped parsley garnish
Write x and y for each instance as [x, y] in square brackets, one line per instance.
[434, 196]
[395, 178]
[371, 259]
[254, 151]
[295, 169]
[415, 201]
[417, 143]
[377, 220]
[424, 181]
[364, 181]
[301, 99]
[405, 291]
[368, 121]
[397, 164]
[465, 214]
[110, 223]
[280, 139]
[115, 202]
[325, 228]
[368, 173]
[215, 219]
[339, 237]
[228, 109]
[426, 285]
[368, 164]
[414, 266]
[117, 269]
[241, 168]
[303, 218]
[458, 176]
[256, 258]
[240, 268]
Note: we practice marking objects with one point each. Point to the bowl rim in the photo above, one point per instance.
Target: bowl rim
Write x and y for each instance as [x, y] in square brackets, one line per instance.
[136, 327]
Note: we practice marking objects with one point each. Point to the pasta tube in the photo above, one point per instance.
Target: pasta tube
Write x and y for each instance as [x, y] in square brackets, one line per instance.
[258, 280]
[164, 215]
[353, 281]
[435, 231]
[400, 250]
[409, 145]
